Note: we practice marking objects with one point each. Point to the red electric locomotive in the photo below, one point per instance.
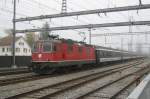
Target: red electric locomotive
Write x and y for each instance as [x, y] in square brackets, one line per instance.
[54, 54]
[49, 55]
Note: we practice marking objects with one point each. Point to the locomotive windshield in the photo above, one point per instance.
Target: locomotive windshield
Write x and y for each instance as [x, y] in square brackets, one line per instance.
[43, 46]
[47, 46]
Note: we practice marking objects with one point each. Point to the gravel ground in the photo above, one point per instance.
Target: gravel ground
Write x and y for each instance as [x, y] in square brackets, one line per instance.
[90, 86]
[71, 94]
[111, 90]
[16, 76]
[14, 89]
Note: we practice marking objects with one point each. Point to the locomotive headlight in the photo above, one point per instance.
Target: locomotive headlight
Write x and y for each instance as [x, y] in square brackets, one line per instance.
[39, 55]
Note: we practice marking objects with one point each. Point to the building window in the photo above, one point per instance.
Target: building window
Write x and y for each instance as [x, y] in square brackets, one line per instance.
[21, 43]
[17, 49]
[7, 49]
[25, 50]
[3, 49]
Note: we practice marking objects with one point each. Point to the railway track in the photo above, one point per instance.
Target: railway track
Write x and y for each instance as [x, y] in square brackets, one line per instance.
[52, 90]
[14, 71]
[110, 85]
[17, 79]
[25, 78]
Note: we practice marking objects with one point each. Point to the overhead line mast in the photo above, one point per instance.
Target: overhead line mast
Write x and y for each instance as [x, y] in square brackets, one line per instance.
[14, 35]
[64, 6]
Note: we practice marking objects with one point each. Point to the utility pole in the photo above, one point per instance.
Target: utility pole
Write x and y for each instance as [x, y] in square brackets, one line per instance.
[122, 44]
[140, 2]
[64, 6]
[149, 52]
[122, 49]
[139, 48]
[105, 40]
[146, 38]
[90, 35]
[130, 31]
[14, 35]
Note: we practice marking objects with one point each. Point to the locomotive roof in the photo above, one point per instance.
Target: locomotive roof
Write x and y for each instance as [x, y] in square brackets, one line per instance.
[54, 40]
[68, 41]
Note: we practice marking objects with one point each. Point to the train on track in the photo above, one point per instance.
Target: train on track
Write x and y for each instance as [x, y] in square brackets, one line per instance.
[50, 55]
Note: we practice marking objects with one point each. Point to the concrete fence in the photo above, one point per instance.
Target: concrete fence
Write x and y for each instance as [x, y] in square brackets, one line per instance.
[6, 61]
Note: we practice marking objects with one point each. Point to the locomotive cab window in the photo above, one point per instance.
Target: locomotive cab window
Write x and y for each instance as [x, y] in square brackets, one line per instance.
[36, 46]
[47, 46]
[54, 47]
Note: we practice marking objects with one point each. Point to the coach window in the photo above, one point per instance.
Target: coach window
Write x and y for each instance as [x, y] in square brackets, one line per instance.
[101, 53]
[108, 54]
[104, 53]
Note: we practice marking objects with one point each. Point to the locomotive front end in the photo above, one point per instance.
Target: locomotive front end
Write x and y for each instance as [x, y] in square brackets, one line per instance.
[43, 55]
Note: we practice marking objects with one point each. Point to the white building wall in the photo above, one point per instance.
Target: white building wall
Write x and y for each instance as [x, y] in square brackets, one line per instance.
[6, 52]
[22, 49]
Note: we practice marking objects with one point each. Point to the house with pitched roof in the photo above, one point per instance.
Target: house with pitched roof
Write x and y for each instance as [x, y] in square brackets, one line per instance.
[22, 48]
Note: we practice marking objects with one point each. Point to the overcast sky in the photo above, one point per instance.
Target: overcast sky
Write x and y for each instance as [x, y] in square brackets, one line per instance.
[41, 7]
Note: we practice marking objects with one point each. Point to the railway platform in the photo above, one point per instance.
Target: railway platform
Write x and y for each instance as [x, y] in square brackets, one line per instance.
[142, 91]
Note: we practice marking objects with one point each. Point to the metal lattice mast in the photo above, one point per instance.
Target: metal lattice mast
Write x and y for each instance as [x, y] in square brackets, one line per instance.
[140, 2]
[14, 34]
[64, 6]
[130, 31]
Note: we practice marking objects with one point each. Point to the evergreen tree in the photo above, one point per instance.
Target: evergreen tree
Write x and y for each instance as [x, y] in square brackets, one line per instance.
[30, 38]
[45, 34]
